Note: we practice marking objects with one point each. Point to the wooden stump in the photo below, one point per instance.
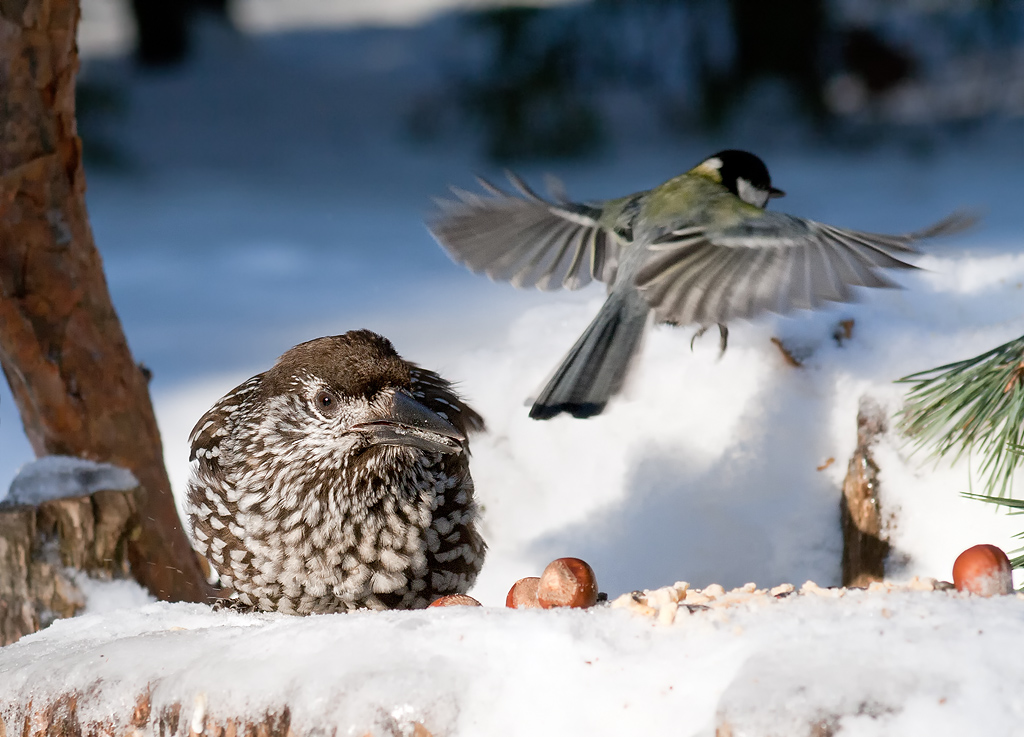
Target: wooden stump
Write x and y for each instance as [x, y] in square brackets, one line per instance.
[61, 718]
[864, 550]
[44, 544]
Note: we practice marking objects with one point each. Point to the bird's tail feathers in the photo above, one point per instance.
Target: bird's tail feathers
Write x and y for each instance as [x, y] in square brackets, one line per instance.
[596, 366]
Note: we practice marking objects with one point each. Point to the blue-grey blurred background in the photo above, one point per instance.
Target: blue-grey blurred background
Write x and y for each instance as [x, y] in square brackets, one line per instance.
[558, 79]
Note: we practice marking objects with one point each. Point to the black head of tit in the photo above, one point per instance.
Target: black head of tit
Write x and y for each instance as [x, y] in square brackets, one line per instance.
[742, 173]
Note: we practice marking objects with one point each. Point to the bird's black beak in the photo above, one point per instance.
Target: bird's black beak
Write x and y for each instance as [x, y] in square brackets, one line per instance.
[407, 422]
[774, 192]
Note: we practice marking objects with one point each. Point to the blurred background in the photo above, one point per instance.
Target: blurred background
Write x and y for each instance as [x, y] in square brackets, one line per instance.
[259, 171]
[558, 79]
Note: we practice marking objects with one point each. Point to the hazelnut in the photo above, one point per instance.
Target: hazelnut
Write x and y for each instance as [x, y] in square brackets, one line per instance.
[567, 582]
[523, 594]
[983, 570]
[455, 600]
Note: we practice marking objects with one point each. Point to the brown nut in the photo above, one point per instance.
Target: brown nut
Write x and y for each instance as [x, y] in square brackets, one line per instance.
[523, 594]
[455, 600]
[567, 582]
[984, 570]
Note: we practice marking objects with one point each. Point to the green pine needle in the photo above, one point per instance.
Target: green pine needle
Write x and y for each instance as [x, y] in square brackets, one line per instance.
[972, 406]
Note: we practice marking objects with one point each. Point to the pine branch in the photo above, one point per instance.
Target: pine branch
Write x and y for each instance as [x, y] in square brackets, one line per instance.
[972, 406]
[1017, 505]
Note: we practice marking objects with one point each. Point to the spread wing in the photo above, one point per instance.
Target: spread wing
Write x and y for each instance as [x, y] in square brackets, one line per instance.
[524, 239]
[770, 263]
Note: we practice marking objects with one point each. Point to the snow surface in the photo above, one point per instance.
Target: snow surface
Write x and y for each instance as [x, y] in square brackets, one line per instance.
[58, 477]
[269, 192]
[901, 663]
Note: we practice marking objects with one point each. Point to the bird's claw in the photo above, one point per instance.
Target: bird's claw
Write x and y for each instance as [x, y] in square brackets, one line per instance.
[703, 329]
[230, 604]
[723, 337]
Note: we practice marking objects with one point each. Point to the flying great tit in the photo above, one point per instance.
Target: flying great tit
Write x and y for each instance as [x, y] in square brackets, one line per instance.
[698, 249]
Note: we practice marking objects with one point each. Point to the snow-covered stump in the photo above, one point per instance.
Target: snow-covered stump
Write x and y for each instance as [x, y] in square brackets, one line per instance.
[61, 718]
[864, 550]
[61, 515]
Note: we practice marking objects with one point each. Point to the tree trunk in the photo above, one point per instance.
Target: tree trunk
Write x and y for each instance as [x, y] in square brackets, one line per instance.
[62, 348]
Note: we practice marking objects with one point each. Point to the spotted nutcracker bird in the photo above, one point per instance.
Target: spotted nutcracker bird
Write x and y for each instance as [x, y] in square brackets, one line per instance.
[698, 249]
[338, 479]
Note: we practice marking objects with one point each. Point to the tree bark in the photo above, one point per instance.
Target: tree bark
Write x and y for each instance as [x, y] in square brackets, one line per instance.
[62, 348]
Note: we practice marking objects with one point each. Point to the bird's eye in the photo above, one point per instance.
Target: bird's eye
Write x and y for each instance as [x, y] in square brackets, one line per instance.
[326, 402]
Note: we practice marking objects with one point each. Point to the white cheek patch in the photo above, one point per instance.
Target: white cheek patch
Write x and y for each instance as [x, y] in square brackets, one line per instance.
[751, 194]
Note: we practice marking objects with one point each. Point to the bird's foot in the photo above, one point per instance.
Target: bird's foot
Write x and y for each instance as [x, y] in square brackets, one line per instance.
[703, 329]
[723, 337]
[232, 605]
